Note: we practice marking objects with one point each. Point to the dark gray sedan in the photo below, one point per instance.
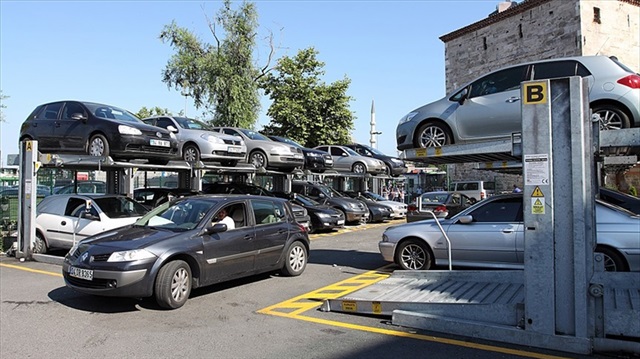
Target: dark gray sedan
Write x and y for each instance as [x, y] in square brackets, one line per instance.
[180, 245]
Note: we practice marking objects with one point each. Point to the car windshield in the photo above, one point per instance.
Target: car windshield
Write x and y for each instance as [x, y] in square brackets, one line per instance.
[305, 201]
[351, 152]
[374, 196]
[255, 135]
[375, 151]
[111, 112]
[434, 197]
[191, 124]
[120, 207]
[290, 141]
[181, 215]
[333, 192]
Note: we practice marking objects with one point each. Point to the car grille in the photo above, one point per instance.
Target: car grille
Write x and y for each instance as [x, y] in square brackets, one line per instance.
[231, 142]
[100, 257]
[151, 149]
[96, 283]
[229, 154]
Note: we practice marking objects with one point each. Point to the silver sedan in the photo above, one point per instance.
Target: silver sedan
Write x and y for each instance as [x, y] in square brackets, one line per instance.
[197, 142]
[346, 159]
[491, 234]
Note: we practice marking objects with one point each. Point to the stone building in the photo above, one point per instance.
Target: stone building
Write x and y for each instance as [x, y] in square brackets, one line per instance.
[540, 29]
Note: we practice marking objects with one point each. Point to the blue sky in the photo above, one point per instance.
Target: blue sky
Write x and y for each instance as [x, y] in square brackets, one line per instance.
[109, 52]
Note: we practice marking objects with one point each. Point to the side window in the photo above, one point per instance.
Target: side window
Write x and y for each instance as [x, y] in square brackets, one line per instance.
[550, 70]
[335, 151]
[506, 210]
[71, 108]
[505, 80]
[231, 132]
[75, 206]
[50, 111]
[323, 148]
[266, 212]
[164, 122]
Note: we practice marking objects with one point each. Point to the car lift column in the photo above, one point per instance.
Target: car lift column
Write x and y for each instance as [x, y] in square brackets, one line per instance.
[27, 198]
[559, 212]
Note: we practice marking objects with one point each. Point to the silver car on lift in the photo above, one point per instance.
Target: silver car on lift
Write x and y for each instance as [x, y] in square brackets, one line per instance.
[197, 141]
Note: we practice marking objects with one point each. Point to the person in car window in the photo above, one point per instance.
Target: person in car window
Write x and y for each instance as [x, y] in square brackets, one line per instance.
[223, 218]
[516, 189]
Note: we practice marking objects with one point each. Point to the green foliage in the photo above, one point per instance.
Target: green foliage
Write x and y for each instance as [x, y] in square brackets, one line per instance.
[304, 108]
[220, 77]
[154, 111]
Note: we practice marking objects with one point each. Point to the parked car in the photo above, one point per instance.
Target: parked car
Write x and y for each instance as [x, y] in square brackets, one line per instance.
[13, 191]
[300, 213]
[476, 190]
[63, 219]
[354, 211]
[95, 129]
[399, 209]
[265, 153]
[197, 142]
[442, 204]
[628, 202]
[345, 159]
[323, 217]
[394, 166]
[180, 246]
[489, 107]
[314, 160]
[489, 234]
[378, 212]
[152, 197]
[83, 187]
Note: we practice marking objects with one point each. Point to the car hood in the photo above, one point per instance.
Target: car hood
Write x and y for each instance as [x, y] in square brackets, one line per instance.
[321, 209]
[131, 237]
[312, 150]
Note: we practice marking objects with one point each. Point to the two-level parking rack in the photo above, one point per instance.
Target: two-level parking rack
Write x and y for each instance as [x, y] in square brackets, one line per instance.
[562, 299]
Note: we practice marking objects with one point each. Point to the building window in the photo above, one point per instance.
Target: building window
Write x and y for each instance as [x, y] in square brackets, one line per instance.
[520, 30]
[596, 15]
[484, 42]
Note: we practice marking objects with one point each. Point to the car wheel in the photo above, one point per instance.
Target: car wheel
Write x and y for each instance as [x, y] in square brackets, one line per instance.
[173, 284]
[611, 117]
[258, 159]
[231, 163]
[190, 153]
[40, 245]
[414, 254]
[295, 259]
[98, 146]
[359, 168]
[613, 262]
[387, 170]
[432, 134]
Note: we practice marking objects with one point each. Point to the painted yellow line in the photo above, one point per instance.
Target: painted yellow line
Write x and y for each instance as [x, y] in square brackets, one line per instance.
[294, 307]
[30, 270]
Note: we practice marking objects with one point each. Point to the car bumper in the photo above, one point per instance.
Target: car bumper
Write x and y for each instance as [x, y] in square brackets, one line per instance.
[399, 214]
[286, 161]
[404, 135]
[387, 250]
[316, 163]
[130, 283]
[139, 147]
[328, 223]
[221, 152]
[356, 216]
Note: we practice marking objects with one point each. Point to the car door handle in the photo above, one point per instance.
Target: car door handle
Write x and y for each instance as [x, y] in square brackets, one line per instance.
[513, 99]
[282, 231]
[507, 231]
[248, 237]
[57, 124]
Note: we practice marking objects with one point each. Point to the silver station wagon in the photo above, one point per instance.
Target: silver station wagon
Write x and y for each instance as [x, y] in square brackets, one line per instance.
[197, 141]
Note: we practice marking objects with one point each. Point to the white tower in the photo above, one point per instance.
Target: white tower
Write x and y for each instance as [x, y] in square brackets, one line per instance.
[374, 134]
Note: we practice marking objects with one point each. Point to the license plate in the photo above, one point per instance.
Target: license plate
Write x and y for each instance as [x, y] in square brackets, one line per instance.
[86, 274]
[340, 222]
[161, 143]
[232, 149]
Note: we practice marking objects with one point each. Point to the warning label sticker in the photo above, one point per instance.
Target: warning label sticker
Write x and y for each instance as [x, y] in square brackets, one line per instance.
[537, 207]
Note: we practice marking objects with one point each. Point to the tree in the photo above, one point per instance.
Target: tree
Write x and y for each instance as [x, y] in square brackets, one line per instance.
[220, 77]
[304, 108]
[154, 111]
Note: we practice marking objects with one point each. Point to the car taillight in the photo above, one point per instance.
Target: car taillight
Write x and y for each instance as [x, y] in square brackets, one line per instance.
[440, 209]
[303, 228]
[632, 81]
[412, 207]
[482, 195]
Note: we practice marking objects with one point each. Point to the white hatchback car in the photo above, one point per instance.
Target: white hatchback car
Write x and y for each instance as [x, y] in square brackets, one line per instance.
[62, 220]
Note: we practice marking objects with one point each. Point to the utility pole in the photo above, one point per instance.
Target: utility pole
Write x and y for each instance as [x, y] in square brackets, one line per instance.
[373, 140]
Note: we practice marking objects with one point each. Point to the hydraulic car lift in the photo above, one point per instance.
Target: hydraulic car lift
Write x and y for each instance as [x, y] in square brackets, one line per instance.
[563, 299]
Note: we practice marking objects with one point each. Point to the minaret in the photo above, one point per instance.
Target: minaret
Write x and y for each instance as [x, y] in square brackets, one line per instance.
[374, 139]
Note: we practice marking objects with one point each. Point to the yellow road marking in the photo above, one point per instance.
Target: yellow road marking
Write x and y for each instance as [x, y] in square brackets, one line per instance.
[30, 270]
[294, 307]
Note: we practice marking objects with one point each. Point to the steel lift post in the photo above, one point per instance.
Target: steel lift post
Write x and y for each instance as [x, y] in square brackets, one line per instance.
[27, 194]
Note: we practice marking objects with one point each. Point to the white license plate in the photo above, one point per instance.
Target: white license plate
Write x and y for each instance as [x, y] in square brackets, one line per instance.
[86, 274]
[340, 222]
[232, 149]
[161, 143]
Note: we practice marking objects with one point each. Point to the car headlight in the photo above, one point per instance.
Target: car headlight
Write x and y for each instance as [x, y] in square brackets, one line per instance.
[323, 215]
[408, 117]
[280, 151]
[212, 138]
[129, 256]
[128, 130]
[314, 154]
[397, 161]
[352, 205]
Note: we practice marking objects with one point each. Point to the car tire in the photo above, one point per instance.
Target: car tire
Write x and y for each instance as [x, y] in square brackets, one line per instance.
[611, 117]
[98, 146]
[40, 245]
[388, 171]
[258, 159]
[173, 285]
[613, 261]
[414, 254]
[191, 153]
[295, 260]
[359, 168]
[231, 163]
[432, 134]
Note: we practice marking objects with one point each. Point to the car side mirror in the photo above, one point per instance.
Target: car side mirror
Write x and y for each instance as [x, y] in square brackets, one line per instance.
[172, 129]
[465, 219]
[89, 216]
[78, 116]
[463, 96]
[216, 228]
